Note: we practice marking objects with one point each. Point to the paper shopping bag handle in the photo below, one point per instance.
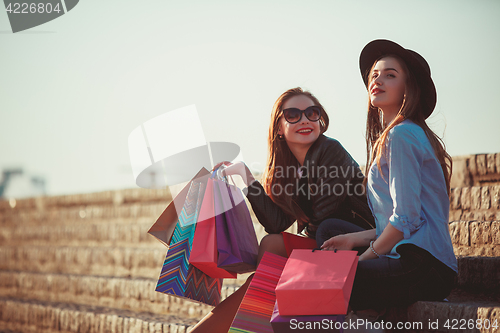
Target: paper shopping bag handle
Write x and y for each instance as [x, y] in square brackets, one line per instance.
[318, 248]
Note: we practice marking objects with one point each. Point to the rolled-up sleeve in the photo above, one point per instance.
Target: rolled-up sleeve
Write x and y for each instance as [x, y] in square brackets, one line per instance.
[405, 159]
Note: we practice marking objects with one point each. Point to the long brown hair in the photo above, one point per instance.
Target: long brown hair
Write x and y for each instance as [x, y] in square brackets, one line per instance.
[411, 108]
[280, 159]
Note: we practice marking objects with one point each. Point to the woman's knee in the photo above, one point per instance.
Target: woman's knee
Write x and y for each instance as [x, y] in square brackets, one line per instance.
[432, 286]
[329, 228]
[272, 243]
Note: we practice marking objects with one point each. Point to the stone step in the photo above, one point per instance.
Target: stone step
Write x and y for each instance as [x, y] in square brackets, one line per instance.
[480, 274]
[475, 203]
[134, 294]
[46, 317]
[81, 221]
[145, 213]
[80, 234]
[117, 197]
[102, 261]
[477, 274]
[83, 213]
[461, 310]
[475, 238]
[87, 233]
[138, 262]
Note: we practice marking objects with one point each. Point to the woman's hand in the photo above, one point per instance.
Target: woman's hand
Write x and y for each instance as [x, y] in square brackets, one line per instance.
[339, 242]
[218, 165]
[238, 168]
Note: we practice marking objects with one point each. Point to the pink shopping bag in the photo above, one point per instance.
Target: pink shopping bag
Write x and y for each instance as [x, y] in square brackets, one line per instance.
[316, 283]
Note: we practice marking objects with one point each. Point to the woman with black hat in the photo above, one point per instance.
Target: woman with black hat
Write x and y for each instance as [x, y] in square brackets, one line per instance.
[409, 255]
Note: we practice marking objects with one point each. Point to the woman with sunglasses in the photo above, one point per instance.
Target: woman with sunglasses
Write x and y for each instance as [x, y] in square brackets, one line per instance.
[310, 178]
[410, 255]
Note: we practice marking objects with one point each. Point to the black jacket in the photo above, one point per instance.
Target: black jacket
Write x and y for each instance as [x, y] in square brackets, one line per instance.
[335, 191]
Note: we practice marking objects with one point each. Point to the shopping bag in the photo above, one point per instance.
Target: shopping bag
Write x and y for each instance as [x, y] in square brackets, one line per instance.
[237, 243]
[184, 280]
[256, 308]
[178, 277]
[293, 241]
[321, 280]
[204, 249]
[164, 226]
[306, 324]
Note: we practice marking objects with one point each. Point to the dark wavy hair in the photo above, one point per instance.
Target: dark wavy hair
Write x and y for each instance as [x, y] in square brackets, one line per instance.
[280, 156]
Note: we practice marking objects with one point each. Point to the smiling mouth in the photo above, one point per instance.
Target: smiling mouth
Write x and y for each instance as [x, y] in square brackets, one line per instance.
[305, 131]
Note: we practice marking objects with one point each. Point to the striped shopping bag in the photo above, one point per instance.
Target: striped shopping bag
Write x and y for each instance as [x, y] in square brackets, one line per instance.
[256, 309]
[178, 277]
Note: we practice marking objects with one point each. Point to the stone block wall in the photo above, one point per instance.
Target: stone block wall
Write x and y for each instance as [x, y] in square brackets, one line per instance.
[476, 238]
[476, 170]
[480, 203]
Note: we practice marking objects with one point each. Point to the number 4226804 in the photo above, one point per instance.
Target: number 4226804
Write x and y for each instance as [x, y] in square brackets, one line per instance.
[25, 8]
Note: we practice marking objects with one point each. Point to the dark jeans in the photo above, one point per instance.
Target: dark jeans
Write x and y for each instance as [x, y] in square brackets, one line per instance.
[385, 282]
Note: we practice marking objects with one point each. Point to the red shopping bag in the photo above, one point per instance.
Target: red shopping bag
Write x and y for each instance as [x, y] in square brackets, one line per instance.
[321, 280]
[204, 249]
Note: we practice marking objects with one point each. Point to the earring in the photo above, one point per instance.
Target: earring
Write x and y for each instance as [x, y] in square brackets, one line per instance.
[280, 137]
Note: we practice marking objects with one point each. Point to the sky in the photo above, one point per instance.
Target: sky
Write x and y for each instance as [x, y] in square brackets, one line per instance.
[73, 89]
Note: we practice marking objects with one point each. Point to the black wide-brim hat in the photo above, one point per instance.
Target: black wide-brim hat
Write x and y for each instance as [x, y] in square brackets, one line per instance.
[414, 61]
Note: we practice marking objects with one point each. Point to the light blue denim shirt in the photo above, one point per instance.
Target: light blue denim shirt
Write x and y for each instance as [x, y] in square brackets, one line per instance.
[412, 194]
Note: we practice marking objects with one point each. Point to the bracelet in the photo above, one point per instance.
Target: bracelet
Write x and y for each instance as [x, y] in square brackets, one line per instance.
[373, 250]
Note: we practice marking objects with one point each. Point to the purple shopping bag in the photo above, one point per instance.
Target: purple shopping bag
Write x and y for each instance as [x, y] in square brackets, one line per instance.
[237, 243]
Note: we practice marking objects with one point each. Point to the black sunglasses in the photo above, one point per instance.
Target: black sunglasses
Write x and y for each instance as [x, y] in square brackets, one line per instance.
[293, 115]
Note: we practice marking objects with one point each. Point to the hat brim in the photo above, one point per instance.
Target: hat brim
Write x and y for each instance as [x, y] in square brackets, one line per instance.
[414, 61]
